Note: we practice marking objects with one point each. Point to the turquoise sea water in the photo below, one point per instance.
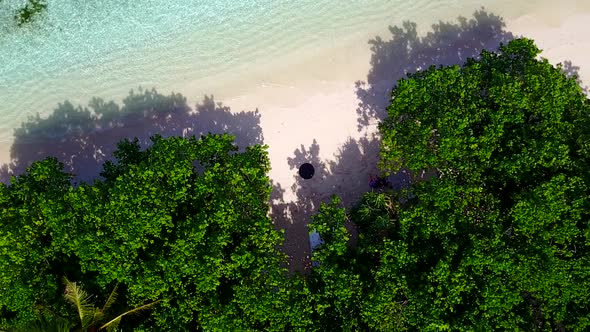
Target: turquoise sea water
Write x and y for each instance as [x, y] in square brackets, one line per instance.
[81, 49]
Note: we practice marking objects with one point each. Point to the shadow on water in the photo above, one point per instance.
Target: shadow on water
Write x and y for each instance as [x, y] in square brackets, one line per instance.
[84, 137]
[406, 52]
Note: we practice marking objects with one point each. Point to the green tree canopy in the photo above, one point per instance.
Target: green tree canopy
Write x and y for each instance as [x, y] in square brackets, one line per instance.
[31, 9]
[497, 236]
[183, 222]
[22, 13]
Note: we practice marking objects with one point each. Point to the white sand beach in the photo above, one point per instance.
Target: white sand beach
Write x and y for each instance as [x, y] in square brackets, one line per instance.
[311, 106]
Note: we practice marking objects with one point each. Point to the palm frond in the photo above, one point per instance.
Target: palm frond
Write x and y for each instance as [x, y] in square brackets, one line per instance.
[116, 320]
[110, 300]
[97, 316]
[51, 324]
[113, 327]
[80, 299]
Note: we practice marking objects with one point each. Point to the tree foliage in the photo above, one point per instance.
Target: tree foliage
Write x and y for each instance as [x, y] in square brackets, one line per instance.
[87, 316]
[183, 222]
[29, 11]
[497, 238]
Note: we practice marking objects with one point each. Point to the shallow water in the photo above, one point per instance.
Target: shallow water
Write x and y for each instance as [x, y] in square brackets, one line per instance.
[105, 48]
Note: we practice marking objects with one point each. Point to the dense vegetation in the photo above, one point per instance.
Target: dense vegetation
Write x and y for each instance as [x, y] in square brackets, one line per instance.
[29, 11]
[195, 237]
[495, 236]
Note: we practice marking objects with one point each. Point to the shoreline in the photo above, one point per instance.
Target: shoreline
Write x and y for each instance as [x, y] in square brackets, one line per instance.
[180, 62]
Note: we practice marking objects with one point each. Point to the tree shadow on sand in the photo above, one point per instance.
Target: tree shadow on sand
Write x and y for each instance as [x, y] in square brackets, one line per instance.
[84, 137]
[347, 174]
[572, 71]
[407, 52]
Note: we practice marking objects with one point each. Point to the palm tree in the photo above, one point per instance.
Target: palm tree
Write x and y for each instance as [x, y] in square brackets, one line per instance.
[89, 317]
